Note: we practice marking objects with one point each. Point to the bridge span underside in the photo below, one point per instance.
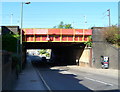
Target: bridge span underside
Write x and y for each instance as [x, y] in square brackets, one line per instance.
[62, 53]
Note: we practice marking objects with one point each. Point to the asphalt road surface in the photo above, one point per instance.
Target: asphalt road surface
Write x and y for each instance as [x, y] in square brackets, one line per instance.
[64, 78]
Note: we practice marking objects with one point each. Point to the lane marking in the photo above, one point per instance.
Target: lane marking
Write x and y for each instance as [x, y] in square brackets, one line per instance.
[99, 81]
[39, 74]
[65, 72]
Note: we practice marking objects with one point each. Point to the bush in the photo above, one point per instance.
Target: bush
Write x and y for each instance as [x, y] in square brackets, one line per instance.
[89, 43]
[112, 35]
[9, 42]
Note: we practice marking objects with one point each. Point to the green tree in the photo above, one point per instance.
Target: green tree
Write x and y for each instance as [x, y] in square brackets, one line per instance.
[68, 26]
[65, 26]
[48, 54]
[43, 51]
[61, 25]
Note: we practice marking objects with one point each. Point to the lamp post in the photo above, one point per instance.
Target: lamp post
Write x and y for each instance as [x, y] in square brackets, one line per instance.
[21, 28]
[22, 19]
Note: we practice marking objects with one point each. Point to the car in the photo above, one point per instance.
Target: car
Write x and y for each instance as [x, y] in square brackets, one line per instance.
[44, 59]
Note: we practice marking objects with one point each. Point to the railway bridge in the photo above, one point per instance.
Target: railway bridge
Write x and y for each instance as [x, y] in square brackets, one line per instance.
[67, 44]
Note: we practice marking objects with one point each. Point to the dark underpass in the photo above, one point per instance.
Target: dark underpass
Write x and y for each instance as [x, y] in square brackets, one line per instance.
[61, 53]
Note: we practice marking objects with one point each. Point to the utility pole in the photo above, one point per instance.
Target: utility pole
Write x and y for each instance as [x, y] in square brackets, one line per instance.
[85, 21]
[84, 26]
[11, 18]
[109, 17]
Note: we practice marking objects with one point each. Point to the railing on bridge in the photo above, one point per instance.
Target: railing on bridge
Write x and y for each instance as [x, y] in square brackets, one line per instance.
[56, 35]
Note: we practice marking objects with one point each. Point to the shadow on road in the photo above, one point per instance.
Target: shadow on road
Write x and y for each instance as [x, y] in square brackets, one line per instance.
[61, 80]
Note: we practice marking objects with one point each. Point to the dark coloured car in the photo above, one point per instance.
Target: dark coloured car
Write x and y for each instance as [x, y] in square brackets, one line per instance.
[44, 59]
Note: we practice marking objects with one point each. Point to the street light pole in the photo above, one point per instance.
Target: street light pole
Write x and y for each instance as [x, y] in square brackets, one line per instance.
[22, 20]
[21, 35]
[21, 28]
[21, 23]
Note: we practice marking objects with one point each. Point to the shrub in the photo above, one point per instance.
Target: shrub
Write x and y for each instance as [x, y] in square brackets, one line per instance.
[89, 43]
[9, 42]
[112, 35]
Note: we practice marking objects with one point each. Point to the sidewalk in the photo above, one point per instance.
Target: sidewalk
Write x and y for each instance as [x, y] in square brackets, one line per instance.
[107, 72]
[29, 80]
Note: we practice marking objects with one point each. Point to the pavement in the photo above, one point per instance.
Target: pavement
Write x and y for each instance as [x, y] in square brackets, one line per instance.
[29, 80]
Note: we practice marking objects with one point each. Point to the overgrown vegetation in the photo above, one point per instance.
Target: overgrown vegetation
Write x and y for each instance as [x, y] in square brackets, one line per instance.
[9, 42]
[45, 52]
[89, 43]
[112, 35]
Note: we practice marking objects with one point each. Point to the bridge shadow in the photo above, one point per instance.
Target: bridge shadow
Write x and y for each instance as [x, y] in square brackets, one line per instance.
[60, 80]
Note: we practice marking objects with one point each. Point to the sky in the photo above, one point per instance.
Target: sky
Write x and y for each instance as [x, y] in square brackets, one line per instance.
[50, 14]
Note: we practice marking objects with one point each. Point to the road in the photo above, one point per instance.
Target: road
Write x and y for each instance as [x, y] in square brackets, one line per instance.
[65, 78]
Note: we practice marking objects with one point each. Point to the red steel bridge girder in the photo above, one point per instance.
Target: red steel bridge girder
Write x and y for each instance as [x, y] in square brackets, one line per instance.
[56, 35]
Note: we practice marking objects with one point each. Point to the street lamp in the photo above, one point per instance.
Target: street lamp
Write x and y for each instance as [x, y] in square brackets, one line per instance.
[21, 27]
[22, 18]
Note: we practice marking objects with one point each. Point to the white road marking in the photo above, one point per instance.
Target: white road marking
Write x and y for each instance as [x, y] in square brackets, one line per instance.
[65, 72]
[38, 72]
[99, 81]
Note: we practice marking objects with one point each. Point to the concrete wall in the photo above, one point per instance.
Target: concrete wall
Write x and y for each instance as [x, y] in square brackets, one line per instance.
[85, 57]
[102, 48]
[0, 70]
